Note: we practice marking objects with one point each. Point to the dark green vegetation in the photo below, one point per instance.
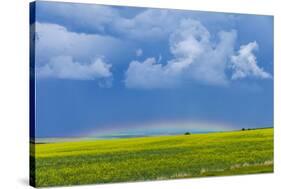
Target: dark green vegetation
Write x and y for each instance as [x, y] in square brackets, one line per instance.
[154, 158]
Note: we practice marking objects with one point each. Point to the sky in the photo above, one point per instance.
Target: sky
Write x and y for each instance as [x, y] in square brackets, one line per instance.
[113, 70]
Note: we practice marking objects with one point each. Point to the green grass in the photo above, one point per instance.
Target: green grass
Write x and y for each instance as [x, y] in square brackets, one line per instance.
[154, 158]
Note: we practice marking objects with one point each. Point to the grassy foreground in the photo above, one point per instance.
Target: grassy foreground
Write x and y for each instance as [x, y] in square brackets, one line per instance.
[154, 158]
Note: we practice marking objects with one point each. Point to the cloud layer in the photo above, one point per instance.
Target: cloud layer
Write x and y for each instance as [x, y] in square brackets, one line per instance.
[109, 20]
[71, 46]
[127, 22]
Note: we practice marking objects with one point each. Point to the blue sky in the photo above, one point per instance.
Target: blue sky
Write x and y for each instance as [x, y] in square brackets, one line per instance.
[104, 70]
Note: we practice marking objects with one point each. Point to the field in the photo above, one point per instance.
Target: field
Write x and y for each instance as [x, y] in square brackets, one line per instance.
[154, 158]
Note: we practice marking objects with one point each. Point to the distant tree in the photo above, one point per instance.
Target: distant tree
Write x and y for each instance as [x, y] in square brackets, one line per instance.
[187, 133]
[243, 129]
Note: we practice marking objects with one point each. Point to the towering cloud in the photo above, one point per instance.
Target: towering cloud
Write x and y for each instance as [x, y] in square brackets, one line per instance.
[244, 64]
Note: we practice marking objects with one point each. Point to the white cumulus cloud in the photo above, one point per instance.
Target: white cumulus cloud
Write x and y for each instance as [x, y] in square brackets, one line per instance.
[64, 67]
[244, 64]
[68, 55]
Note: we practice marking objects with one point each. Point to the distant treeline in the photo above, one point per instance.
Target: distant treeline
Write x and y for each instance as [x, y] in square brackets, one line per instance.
[248, 129]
